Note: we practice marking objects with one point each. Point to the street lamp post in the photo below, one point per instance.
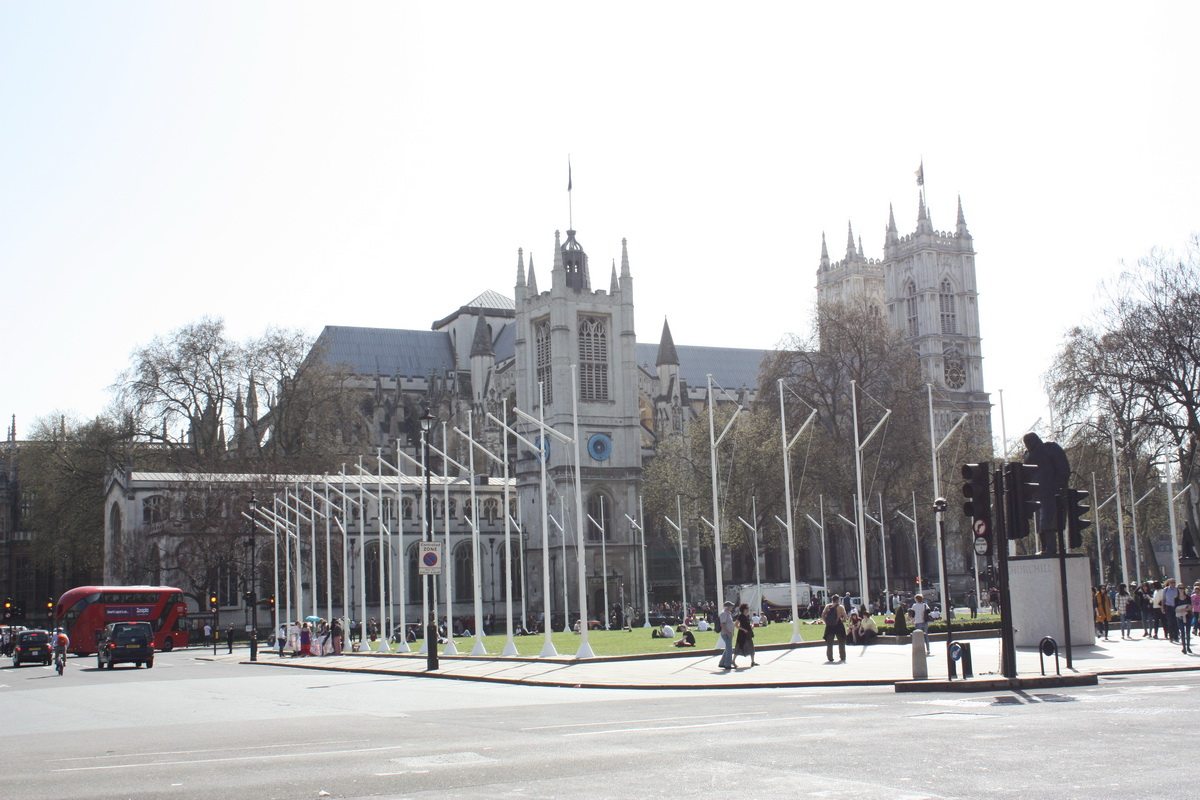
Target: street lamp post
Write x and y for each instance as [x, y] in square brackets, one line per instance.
[431, 654]
[253, 583]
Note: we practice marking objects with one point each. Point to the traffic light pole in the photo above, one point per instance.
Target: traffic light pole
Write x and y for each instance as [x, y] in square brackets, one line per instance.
[1004, 507]
[1062, 576]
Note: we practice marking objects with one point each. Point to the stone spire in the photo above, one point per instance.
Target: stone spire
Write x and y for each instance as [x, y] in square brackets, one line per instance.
[481, 345]
[624, 258]
[962, 222]
[849, 241]
[860, 247]
[666, 347]
[613, 285]
[252, 401]
[824, 252]
[239, 413]
[532, 278]
[520, 267]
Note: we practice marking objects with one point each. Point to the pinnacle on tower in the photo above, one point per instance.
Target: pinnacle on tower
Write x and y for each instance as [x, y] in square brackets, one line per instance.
[666, 348]
[849, 241]
[860, 247]
[532, 278]
[624, 258]
[481, 345]
[962, 220]
[252, 401]
[520, 266]
[824, 252]
[613, 285]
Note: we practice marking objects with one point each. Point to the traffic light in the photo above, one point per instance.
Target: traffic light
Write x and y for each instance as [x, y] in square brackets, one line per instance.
[977, 489]
[248, 596]
[213, 605]
[8, 608]
[1075, 521]
[271, 601]
[1024, 488]
[49, 608]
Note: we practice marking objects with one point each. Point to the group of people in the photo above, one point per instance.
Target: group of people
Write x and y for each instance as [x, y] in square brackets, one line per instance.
[1155, 605]
[728, 624]
[318, 637]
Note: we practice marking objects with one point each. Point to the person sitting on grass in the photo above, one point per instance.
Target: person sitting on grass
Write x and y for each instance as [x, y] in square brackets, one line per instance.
[686, 638]
[867, 630]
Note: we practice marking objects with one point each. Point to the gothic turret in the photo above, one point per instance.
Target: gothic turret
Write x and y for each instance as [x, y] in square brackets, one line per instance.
[574, 263]
[961, 229]
[824, 253]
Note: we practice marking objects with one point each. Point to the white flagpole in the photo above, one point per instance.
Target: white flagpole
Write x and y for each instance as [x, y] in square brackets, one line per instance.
[478, 649]
[401, 556]
[448, 581]
[645, 570]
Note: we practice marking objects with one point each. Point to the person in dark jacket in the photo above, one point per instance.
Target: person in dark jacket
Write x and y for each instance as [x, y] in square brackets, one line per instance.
[744, 646]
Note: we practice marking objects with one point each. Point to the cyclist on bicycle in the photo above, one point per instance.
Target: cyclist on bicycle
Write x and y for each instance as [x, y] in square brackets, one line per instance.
[60, 643]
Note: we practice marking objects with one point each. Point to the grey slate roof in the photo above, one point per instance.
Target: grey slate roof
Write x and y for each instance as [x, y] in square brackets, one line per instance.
[414, 354]
[386, 351]
[731, 367]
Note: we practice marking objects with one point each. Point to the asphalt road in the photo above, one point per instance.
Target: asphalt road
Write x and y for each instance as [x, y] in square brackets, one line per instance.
[199, 729]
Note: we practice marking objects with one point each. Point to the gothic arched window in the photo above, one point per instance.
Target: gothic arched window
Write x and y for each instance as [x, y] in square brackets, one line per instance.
[600, 510]
[155, 509]
[946, 306]
[593, 358]
[541, 337]
[464, 578]
[491, 510]
[910, 308]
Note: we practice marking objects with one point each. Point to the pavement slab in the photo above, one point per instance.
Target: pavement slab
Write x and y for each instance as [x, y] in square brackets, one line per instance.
[777, 666]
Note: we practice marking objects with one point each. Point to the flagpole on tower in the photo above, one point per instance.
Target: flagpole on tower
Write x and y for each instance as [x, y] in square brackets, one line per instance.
[570, 209]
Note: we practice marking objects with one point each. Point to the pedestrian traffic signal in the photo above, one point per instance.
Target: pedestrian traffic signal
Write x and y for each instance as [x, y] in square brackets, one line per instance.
[1024, 488]
[1075, 521]
[977, 490]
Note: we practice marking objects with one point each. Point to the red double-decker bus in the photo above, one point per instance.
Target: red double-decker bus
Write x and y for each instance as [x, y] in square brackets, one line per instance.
[84, 611]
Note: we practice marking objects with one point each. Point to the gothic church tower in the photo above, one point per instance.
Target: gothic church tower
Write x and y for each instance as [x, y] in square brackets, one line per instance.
[925, 284]
[574, 333]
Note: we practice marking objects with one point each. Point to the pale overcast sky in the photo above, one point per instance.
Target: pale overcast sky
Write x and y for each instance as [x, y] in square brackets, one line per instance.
[378, 164]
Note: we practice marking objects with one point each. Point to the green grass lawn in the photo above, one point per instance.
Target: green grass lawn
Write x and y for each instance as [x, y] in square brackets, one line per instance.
[639, 642]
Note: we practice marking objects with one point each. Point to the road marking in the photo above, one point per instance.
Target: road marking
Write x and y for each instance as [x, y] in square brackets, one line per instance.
[633, 721]
[232, 758]
[210, 750]
[402, 772]
[661, 728]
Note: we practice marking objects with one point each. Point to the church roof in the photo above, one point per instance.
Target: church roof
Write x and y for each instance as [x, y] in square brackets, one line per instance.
[386, 351]
[492, 300]
[732, 367]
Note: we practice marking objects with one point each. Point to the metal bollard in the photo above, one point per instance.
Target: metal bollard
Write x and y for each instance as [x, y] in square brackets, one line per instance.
[920, 666]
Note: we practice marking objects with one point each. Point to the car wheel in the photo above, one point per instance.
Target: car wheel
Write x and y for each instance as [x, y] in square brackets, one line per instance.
[168, 645]
[150, 664]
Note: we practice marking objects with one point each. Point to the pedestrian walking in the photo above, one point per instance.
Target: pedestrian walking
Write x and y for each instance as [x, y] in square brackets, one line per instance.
[229, 637]
[1183, 610]
[1195, 600]
[207, 633]
[1102, 611]
[725, 632]
[1170, 598]
[834, 617]
[745, 636]
[336, 630]
[920, 618]
[1156, 594]
[305, 640]
[1124, 608]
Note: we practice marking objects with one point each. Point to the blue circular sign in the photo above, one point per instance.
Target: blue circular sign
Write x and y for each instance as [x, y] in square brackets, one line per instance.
[600, 446]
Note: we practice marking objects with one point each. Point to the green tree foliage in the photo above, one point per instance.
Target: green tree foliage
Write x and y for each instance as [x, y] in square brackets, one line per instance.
[65, 465]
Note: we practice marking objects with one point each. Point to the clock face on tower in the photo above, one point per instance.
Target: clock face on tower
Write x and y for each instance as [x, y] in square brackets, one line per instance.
[600, 446]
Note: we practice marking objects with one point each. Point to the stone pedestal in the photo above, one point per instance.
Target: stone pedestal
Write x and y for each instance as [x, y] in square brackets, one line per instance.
[1189, 570]
[1037, 600]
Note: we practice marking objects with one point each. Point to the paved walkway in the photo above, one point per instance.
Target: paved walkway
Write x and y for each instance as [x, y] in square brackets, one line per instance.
[803, 665]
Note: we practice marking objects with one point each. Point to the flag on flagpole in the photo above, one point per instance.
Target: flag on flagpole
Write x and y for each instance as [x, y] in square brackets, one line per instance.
[568, 174]
[921, 174]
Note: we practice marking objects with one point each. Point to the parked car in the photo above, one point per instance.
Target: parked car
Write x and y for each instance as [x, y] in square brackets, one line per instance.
[126, 643]
[31, 646]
